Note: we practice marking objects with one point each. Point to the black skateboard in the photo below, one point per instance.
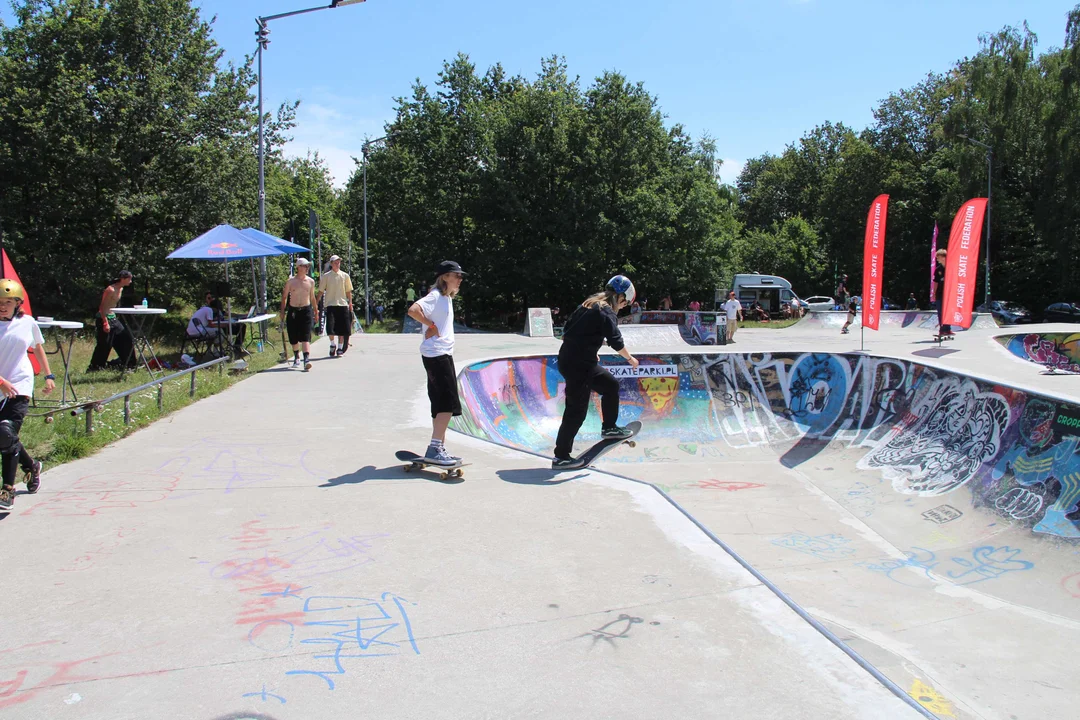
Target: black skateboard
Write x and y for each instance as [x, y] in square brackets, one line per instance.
[418, 462]
[940, 338]
[603, 447]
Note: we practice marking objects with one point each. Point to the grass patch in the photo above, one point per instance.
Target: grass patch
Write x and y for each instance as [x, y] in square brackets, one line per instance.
[384, 327]
[65, 438]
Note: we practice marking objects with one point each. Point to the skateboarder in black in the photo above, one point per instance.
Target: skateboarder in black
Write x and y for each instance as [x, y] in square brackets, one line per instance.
[435, 311]
[944, 330]
[593, 322]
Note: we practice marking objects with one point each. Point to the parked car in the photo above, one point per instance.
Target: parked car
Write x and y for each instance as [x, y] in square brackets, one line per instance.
[1007, 313]
[819, 303]
[1062, 312]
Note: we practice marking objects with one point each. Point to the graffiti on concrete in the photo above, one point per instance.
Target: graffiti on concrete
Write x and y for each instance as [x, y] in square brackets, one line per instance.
[1060, 351]
[928, 432]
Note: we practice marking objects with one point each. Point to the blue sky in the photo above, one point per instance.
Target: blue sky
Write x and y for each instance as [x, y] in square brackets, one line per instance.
[755, 75]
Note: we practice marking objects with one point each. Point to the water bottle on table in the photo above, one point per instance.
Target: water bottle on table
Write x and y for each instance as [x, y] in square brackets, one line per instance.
[145, 304]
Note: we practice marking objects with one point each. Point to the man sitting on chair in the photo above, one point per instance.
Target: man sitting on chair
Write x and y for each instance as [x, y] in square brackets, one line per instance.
[206, 322]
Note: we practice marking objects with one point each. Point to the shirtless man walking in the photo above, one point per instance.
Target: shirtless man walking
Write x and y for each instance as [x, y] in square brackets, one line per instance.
[299, 296]
[111, 333]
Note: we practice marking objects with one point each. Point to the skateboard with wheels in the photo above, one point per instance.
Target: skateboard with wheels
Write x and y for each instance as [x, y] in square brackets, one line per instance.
[418, 462]
[603, 447]
[1055, 370]
[284, 343]
[940, 338]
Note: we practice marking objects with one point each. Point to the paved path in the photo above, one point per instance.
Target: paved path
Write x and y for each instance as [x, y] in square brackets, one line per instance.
[262, 554]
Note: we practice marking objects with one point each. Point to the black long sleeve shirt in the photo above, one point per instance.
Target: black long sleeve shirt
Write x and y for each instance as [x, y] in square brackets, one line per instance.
[587, 329]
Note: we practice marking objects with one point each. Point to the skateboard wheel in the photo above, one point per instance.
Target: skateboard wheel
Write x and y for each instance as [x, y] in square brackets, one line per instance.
[631, 443]
[408, 468]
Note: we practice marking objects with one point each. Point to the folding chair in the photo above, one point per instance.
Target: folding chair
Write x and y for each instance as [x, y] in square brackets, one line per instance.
[201, 343]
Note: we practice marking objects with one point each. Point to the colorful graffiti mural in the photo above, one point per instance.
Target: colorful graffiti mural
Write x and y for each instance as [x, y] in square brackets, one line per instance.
[928, 431]
[1060, 351]
[696, 328]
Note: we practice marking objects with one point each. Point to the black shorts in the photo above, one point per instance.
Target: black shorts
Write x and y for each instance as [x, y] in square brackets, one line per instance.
[298, 323]
[442, 387]
[338, 321]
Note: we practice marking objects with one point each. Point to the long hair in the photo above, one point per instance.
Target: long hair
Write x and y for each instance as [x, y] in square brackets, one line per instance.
[607, 298]
[442, 285]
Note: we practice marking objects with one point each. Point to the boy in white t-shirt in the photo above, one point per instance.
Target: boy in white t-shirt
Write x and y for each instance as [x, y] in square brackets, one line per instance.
[435, 311]
[18, 335]
[733, 308]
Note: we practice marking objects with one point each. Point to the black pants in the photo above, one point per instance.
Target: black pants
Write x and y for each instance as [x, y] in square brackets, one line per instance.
[339, 323]
[442, 387]
[14, 411]
[118, 338]
[942, 329]
[298, 323]
[582, 378]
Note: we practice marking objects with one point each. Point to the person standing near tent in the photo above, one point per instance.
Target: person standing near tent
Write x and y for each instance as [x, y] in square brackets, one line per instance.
[298, 296]
[435, 311]
[593, 322]
[111, 333]
[18, 335]
[336, 291]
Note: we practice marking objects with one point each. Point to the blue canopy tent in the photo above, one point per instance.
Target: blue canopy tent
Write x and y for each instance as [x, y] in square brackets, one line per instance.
[275, 242]
[222, 244]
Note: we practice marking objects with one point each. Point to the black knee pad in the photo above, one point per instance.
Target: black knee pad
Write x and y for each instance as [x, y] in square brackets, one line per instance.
[9, 437]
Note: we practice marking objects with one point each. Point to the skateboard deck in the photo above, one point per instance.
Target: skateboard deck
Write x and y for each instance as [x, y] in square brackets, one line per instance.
[1054, 370]
[603, 447]
[417, 462]
[940, 338]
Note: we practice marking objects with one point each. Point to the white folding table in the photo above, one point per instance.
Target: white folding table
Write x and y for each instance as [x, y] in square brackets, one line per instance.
[137, 327]
[61, 326]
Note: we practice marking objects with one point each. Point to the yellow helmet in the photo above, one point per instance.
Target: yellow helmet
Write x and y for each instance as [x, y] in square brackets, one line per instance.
[12, 289]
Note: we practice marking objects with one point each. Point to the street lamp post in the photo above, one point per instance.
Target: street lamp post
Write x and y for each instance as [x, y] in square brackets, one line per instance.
[262, 36]
[989, 187]
[367, 285]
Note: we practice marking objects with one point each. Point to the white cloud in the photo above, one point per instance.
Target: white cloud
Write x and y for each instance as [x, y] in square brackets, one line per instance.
[730, 169]
[337, 127]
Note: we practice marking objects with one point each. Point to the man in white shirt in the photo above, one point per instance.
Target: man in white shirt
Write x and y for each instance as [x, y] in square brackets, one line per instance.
[435, 311]
[733, 308]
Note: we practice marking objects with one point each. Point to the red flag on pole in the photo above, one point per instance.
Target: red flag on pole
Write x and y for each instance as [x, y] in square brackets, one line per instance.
[933, 262]
[874, 261]
[961, 266]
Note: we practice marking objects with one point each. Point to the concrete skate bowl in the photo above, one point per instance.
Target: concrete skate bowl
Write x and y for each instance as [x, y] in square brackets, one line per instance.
[892, 320]
[695, 327]
[653, 336]
[926, 517]
[1060, 351]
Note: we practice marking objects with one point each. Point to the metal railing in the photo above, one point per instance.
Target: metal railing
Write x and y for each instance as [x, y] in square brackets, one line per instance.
[89, 408]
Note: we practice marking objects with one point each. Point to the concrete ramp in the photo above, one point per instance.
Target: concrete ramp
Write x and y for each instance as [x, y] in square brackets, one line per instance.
[653, 336]
[924, 320]
[1056, 350]
[927, 517]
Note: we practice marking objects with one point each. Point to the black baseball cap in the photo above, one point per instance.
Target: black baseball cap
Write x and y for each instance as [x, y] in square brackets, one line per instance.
[448, 266]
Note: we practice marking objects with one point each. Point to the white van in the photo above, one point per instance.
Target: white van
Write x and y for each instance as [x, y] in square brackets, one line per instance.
[772, 291]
